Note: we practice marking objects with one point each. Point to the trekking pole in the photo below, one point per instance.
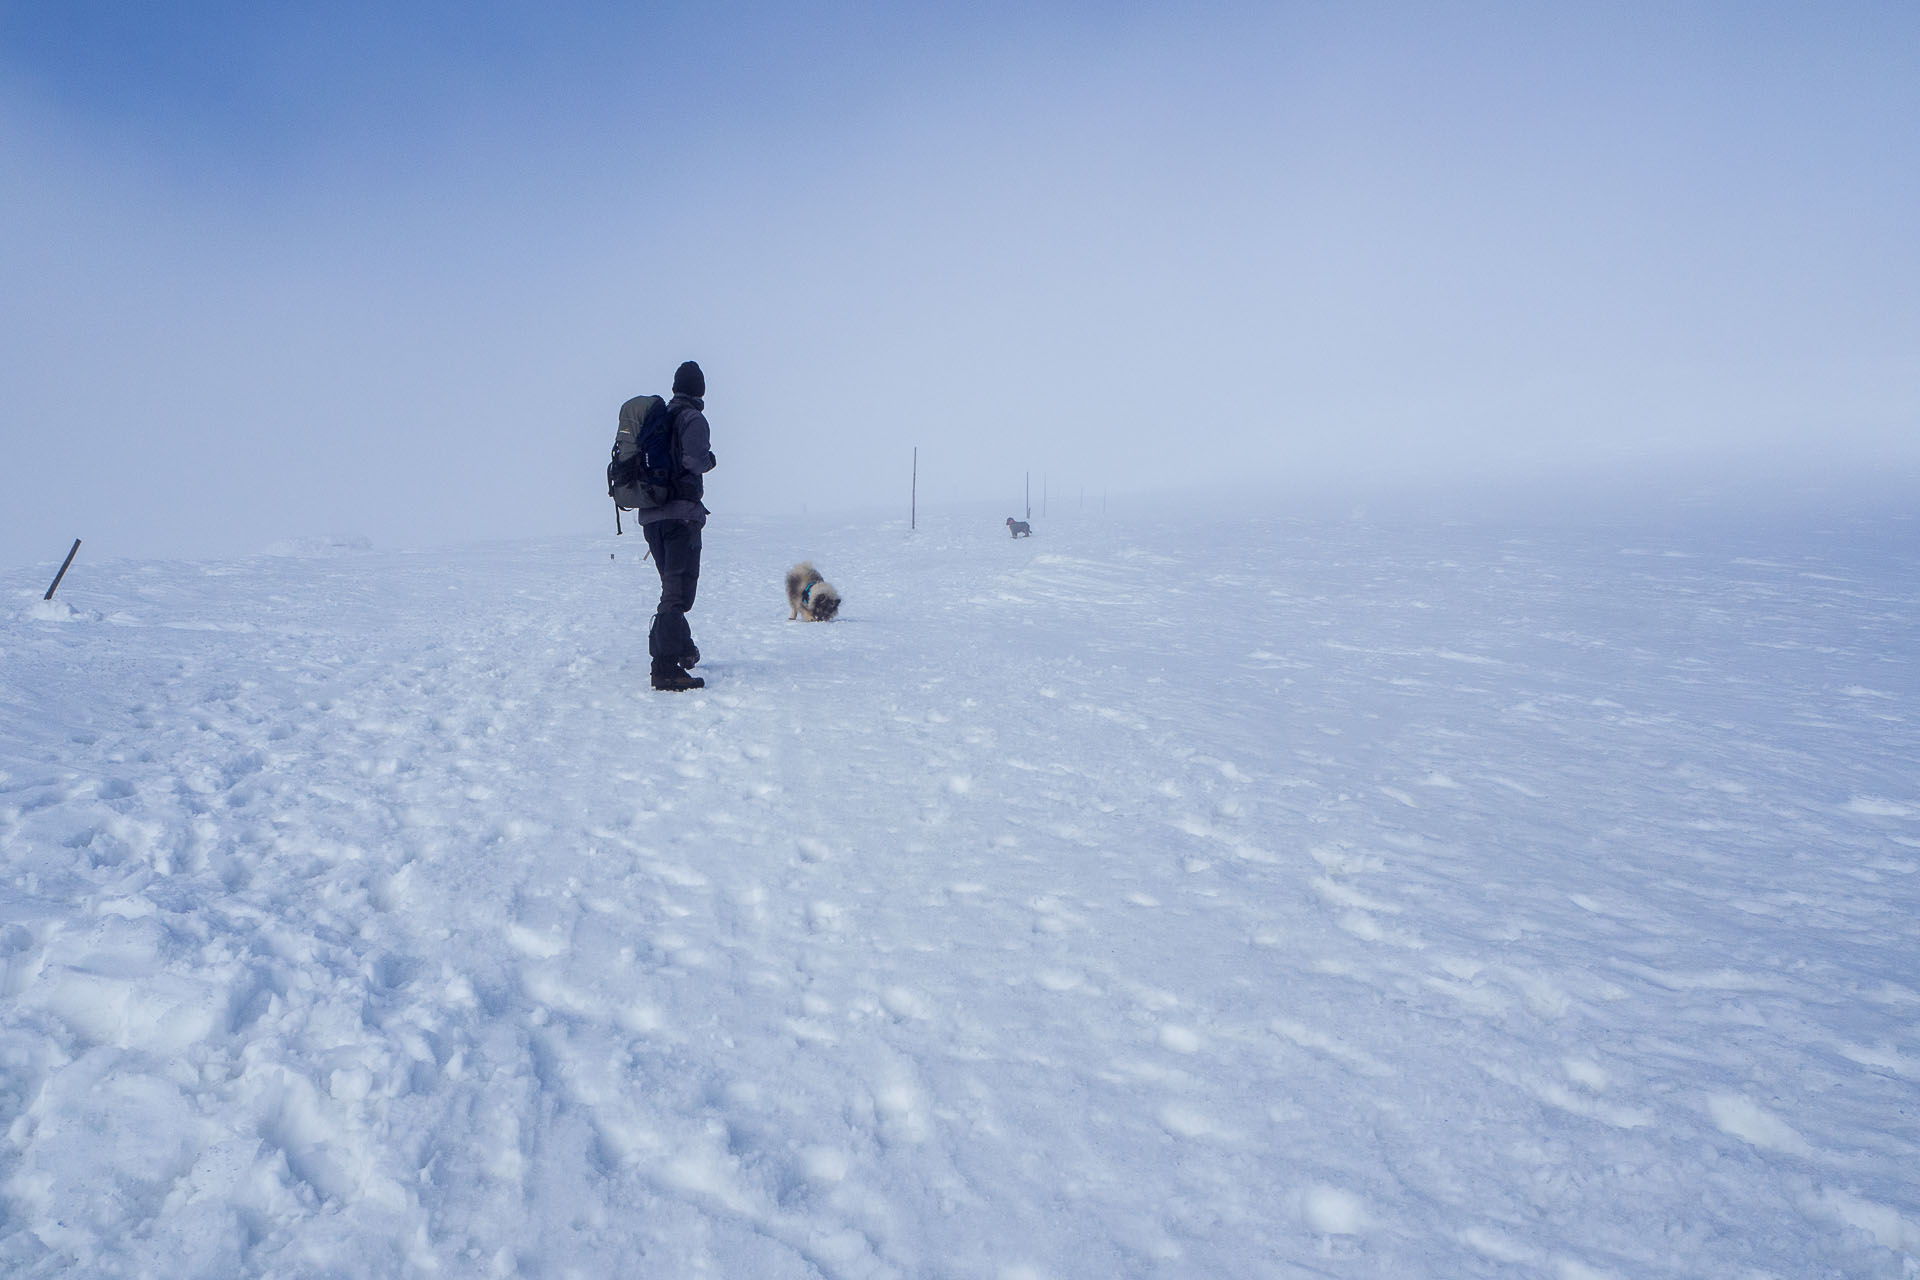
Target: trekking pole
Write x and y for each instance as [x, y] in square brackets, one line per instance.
[617, 530]
[71, 553]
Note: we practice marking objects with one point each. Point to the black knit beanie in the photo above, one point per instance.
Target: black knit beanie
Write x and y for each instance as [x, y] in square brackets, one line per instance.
[689, 381]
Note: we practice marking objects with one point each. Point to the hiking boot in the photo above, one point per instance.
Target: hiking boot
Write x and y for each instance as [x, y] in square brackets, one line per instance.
[676, 681]
[689, 661]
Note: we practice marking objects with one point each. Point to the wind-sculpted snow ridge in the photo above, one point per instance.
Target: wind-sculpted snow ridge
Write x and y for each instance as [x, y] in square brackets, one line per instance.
[1229, 898]
[326, 545]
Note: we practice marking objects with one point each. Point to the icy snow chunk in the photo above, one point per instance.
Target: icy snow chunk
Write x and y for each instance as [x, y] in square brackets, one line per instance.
[528, 942]
[1500, 1247]
[1878, 807]
[1750, 1122]
[904, 1003]
[349, 1084]
[1332, 1211]
[1184, 1121]
[825, 1165]
[56, 611]
[1586, 1073]
[902, 1112]
[1179, 1039]
[1889, 1228]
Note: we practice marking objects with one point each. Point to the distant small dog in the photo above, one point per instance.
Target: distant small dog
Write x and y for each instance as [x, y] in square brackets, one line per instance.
[810, 597]
[1018, 528]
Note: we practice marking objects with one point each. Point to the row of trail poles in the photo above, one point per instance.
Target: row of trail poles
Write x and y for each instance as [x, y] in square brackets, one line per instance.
[1043, 495]
[913, 498]
[72, 551]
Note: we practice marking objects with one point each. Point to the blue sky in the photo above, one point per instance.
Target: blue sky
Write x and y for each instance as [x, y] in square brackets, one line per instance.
[390, 269]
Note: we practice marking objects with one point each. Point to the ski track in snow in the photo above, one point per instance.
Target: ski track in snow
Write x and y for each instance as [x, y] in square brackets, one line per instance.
[1243, 898]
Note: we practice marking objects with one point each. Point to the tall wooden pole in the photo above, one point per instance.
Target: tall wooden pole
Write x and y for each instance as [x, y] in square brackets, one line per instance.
[72, 551]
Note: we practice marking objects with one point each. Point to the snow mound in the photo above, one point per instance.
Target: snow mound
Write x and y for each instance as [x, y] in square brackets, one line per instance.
[56, 611]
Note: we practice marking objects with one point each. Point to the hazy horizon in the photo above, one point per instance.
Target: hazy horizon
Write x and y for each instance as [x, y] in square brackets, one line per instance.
[288, 273]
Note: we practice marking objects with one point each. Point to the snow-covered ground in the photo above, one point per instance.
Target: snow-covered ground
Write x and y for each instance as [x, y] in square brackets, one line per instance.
[1232, 897]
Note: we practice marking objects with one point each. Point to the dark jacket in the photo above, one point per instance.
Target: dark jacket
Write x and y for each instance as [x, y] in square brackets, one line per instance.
[695, 442]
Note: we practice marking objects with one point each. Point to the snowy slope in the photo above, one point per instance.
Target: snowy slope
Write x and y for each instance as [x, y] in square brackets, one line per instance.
[1244, 897]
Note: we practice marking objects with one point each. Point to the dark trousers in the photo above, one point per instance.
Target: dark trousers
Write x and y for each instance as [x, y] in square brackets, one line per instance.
[676, 554]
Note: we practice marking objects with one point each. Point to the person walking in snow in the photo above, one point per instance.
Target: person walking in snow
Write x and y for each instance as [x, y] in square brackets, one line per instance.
[672, 531]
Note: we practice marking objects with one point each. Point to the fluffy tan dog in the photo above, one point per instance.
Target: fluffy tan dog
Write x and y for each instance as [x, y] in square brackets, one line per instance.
[810, 597]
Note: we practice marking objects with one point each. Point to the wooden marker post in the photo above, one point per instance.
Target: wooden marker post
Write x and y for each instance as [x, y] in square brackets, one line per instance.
[71, 553]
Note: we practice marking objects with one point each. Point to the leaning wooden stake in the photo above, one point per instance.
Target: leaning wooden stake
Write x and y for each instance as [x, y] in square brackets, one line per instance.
[63, 570]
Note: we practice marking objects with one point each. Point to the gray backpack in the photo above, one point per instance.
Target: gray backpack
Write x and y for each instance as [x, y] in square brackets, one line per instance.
[645, 464]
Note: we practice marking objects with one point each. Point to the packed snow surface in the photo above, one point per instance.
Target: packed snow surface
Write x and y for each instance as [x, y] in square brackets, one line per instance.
[1224, 897]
